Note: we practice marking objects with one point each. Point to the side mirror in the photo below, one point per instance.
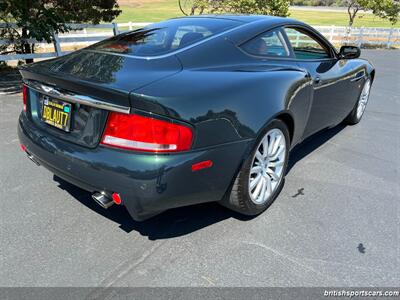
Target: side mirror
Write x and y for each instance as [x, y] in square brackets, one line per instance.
[349, 52]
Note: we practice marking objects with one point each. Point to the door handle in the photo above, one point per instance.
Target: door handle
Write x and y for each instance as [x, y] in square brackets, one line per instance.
[317, 80]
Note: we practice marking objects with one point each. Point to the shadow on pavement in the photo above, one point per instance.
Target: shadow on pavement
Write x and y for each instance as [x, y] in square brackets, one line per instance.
[181, 221]
[312, 143]
[169, 224]
[10, 82]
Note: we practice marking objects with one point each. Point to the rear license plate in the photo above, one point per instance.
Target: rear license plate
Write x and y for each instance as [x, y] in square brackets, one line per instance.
[56, 113]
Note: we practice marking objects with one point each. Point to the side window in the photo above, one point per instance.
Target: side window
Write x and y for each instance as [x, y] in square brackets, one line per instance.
[270, 43]
[188, 34]
[304, 46]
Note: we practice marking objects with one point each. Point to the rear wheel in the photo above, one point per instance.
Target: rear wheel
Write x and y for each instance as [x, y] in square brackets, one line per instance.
[262, 175]
[356, 114]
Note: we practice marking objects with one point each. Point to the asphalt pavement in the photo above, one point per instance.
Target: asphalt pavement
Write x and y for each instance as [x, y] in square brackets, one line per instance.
[335, 223]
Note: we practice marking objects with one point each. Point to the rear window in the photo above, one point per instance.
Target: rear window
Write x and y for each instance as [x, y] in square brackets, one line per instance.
[164, 37]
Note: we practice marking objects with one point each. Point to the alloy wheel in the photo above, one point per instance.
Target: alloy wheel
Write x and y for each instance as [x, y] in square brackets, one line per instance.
[363, 100]
[267, 166]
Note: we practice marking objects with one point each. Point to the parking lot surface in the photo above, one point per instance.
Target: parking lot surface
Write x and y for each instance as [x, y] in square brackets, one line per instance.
[335, 223]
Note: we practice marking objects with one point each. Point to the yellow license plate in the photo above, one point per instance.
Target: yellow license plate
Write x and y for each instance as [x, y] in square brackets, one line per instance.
[56, 113]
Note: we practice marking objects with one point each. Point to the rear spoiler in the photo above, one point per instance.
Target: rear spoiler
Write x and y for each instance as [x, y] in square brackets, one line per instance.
[75, 98]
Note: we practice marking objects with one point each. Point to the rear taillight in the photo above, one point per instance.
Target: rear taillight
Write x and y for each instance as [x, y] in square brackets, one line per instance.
[24, 95]
[136, 132]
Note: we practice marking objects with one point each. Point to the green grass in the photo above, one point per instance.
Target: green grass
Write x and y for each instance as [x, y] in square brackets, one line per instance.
[164, 9]
[339, 19]
[150, 12]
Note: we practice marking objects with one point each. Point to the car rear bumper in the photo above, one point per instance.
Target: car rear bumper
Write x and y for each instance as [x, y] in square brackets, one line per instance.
[148, 183]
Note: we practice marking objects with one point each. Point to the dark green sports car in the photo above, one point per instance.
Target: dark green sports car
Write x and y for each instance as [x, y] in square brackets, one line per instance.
[189, 110]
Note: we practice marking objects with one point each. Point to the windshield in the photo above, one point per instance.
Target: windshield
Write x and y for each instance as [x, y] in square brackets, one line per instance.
[164, 37]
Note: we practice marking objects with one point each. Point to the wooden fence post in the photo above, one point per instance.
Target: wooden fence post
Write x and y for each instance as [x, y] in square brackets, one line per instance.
[389, 38]
[360, 37]
[348, 35]
[332, 33]
[115, 28]
[56, 43]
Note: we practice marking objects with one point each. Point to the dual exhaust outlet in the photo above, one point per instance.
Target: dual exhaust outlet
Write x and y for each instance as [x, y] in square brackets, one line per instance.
[105, 200]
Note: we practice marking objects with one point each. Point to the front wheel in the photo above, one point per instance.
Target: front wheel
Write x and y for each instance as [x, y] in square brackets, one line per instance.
[261, 177]
[356, 114]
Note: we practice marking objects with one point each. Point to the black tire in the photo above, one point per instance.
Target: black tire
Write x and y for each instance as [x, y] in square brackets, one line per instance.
[353, 118]
[239, 199]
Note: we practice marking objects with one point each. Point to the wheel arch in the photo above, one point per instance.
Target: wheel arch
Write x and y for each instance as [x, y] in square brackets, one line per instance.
[287, 118]
[373, 75]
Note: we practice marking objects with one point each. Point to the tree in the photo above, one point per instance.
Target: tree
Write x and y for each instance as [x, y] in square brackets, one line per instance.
[39, 19]
[387, 9]
[264, 7]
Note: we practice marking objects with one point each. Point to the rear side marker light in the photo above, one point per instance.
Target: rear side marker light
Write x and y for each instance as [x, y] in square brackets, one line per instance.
[23, 147]
[202, 165]
[24, 95]
[136, 132]
[116, 198]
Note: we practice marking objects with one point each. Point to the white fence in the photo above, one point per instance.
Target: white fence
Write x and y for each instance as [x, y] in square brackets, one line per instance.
[86, 34]
[361, 36]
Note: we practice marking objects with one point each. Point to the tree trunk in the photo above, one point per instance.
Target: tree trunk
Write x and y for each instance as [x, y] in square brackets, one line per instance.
[352, 10]
[26, 47]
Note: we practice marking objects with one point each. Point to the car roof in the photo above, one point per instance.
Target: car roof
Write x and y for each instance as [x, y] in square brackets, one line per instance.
[249, 18]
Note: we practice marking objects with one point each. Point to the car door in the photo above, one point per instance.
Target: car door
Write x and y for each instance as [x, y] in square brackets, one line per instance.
[331, 89]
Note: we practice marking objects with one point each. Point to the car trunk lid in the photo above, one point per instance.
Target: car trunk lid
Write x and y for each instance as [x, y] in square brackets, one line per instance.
[94, 83]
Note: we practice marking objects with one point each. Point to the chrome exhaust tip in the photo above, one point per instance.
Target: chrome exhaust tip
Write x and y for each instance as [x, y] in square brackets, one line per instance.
[32, 158]
[102, 199]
